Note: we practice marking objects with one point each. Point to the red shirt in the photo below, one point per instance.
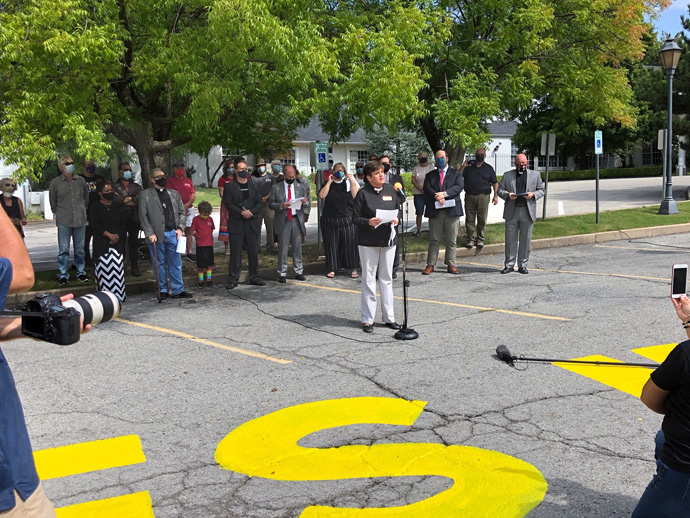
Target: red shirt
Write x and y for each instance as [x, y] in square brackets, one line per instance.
[184, 186]
[203, 230]
[224, 180]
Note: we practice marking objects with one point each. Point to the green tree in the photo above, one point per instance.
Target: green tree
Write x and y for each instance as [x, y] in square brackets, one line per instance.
[158, 74]
[503, 55]
[401, 145]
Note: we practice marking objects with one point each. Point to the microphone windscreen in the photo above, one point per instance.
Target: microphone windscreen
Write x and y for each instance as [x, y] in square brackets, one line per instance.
[504, 354]
[398, 186]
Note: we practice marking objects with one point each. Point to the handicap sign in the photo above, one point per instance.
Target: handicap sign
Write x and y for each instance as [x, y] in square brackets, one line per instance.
[598, 143]
[322, 158]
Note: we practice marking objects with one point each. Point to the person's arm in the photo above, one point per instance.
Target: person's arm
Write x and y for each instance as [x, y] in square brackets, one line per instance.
[14, 249]
[495, 198]
[457, 187]
[415, 182]
[654, 397]
[326, 189]
[427, 188]
[144, 222]
[354, 187]
[273, 203]
[503, 193]
[539, 192]
[52, 197]
[22, 216]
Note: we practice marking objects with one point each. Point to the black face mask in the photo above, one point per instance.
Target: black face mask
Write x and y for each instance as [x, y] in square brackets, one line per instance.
[521, 169]
[162, 182]
[243, 173]
[108, 196]
[289, 181]
[479, 157]
[423, 160]
[386, 167]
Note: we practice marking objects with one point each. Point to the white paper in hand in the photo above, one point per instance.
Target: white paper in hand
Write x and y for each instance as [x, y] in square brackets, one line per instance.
[296, 203]
[182, 245]
[447, 204]
[386, 216]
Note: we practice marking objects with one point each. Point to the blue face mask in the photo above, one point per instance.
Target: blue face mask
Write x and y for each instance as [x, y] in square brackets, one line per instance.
[360, 170]
[338, 174]
[91, 169]
[127, 175]
[440, 162]
[276, 168]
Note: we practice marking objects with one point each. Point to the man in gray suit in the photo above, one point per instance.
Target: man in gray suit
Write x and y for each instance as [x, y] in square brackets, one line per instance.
[289, 221]
[520, 188]
[162, 216]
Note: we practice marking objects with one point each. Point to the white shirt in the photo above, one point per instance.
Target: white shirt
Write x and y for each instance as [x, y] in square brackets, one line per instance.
[291, 190]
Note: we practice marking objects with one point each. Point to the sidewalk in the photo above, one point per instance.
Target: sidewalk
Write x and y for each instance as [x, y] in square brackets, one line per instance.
[563, 198]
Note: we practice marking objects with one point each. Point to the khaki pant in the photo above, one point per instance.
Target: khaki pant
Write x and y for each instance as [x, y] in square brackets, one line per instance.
[36, 506]
[476, 209]
[267, 215]
[446, 227]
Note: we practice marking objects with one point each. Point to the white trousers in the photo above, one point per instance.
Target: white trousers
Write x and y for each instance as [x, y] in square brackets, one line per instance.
[377, 259]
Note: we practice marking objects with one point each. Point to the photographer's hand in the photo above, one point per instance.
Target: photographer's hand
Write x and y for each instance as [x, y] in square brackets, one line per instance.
[84, 328]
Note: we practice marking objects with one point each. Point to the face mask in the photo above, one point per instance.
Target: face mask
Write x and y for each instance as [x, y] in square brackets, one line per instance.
[204, 216]
[262, 170]
[423, 160]
[127, 175]
[386, 167]
[230, 171]
[179, 173]
[276, 168]
[289, 181]
[440, 162]
[108, 196]
[91, 169]
[360, 170]
[69, 169]
[162, 182]
[244, 173]
[338, 175]
[479, 157]
[521, 169]
[7, 194]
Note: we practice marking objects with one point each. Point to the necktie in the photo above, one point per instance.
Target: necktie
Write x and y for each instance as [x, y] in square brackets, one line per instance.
[289, 197]
[443, 175]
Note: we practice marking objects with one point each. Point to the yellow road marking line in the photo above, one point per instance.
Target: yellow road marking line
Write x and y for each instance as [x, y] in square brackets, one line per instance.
[90, 456]
[574, 272]
[204, 341]
[643, 249]
[136, 505]
[443, 303]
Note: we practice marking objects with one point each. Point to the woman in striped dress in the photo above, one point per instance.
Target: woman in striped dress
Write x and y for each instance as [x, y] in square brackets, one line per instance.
[339, 233]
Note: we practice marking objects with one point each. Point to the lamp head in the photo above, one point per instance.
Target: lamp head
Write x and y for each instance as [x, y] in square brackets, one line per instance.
[670, 55]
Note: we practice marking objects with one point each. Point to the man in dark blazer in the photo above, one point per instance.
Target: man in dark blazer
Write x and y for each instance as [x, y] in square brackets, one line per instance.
[442, 188]
[244, 203]
[393, 178]
[519, 212]
[162, 216]
[289, 222]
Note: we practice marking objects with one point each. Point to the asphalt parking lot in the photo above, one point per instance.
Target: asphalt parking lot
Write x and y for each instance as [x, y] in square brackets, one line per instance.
[303, 410]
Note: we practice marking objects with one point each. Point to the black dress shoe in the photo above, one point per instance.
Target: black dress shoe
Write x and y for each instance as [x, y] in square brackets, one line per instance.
[300, 277]
[523, 271]
[182, 295]
[135, 272]
[368, 328]
[395, 275]
[164, 295]
[231, 286]
[281, 279]
[507, 270]
[257, 282]
[392, 325]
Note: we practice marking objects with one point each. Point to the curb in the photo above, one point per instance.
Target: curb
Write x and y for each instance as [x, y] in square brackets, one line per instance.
[320, 267]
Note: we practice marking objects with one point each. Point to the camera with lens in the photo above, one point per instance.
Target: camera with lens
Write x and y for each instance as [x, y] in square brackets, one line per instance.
[46, 317]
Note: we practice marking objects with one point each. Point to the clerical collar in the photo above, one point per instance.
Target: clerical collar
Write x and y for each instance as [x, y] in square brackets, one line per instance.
[378, 189]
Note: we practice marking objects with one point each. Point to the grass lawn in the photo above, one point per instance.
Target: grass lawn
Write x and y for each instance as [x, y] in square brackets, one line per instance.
[554, 227]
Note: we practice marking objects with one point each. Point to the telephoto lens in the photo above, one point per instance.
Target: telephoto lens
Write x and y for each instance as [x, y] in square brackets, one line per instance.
[95, 308]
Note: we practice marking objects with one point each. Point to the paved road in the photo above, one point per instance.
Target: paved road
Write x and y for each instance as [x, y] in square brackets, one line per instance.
[180, 376]
[564, 198]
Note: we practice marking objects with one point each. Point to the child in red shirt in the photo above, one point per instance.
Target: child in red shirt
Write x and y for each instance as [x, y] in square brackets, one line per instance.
[203, 227]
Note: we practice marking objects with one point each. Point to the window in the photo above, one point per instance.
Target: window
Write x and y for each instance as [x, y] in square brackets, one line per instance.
[287, 158]
[651, 155]
[557, 162]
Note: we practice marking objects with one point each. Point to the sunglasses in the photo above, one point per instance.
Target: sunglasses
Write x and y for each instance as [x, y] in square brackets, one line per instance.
[68, 163]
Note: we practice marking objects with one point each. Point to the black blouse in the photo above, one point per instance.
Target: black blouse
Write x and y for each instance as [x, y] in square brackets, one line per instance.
[366, 204]
[339, 202]
[104, 218]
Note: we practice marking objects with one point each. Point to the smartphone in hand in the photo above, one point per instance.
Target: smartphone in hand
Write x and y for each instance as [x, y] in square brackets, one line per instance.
[679, 279]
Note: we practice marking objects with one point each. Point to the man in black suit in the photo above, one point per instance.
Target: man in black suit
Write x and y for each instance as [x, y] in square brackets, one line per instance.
[442, 188]
[244, 203]
[393, 178]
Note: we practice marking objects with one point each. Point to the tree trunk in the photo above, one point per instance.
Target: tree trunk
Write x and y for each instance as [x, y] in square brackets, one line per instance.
[454, 153]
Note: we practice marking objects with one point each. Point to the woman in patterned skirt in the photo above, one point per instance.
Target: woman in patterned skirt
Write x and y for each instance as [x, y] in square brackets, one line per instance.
[228, 176]
[339, 233]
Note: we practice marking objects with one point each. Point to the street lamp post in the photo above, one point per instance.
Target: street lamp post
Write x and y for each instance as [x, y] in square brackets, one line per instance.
[670, 55]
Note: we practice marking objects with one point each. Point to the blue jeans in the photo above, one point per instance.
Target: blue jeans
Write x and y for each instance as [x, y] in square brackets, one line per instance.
[170, 260]
[668, 494]
[76, 234]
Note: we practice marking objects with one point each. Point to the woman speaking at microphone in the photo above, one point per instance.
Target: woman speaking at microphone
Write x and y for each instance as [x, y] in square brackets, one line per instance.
[376, 244]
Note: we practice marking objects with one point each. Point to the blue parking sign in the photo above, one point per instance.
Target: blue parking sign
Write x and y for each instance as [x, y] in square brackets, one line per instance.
[322, 158]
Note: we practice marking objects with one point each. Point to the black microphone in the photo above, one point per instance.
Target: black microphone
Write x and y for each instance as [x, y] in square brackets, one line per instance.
[504, 355]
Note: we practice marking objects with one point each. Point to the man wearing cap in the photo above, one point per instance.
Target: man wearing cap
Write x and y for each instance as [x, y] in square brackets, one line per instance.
[418, 174]
[264, 183]
[181, 183]
[479, 179]
[69, 195]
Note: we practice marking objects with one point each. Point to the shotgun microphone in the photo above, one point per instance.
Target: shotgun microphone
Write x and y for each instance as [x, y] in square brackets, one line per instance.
[504, 355]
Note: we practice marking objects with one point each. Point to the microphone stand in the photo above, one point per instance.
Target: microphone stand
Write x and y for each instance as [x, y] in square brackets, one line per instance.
[405, 333]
